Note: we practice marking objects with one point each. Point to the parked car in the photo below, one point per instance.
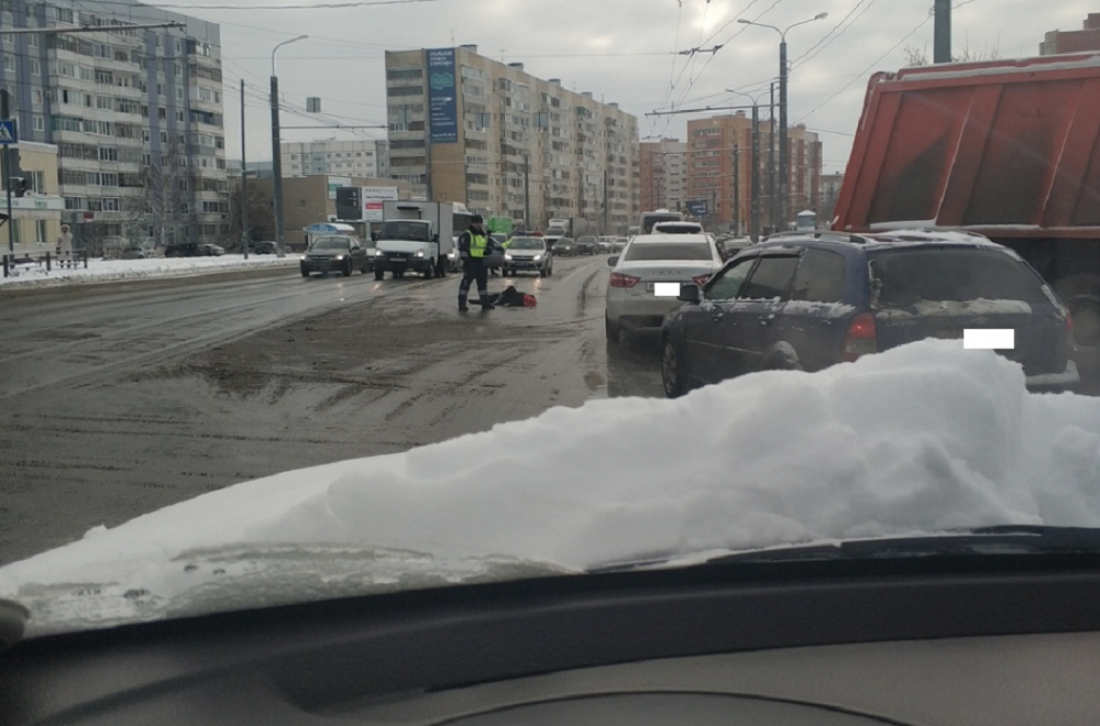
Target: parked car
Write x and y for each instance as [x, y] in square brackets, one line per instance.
[605, 244]
[646, 278]
[134, 253]
[528, 254]
[335, 253]
[182, 249]
[619, 244]
[811, 300]
[586, 245]
[564, 247]
[266, 247]
[211, 250]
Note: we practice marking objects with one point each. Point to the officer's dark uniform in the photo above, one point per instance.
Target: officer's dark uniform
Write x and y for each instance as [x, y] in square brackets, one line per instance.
[473, 247]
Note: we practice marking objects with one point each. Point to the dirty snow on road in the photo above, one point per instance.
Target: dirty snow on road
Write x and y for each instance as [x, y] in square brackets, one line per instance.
[923, 438]
[100, 270]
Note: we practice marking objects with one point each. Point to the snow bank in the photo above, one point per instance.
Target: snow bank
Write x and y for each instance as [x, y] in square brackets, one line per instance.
[112, 270]
[923, 438]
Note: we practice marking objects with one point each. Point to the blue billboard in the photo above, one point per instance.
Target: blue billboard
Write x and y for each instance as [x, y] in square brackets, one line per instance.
[697, 208]
[442, 96]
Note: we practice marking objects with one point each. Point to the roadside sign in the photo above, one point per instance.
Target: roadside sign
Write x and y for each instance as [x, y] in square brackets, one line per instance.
[697, 208]
[7, 132]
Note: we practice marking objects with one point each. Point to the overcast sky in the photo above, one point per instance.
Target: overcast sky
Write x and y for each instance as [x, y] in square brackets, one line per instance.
[621, 50]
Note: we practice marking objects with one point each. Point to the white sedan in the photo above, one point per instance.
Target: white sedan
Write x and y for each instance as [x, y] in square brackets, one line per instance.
[646, 278]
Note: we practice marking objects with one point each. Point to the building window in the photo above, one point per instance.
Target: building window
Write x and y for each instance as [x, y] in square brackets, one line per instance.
[39, 97]
[36, 67]
[9, 63]
[39, 123]
[40, 231]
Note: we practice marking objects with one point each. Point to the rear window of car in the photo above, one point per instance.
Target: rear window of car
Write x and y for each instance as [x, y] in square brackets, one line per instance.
[641, 251]
[820, 277]
[907, 277]
[771, 278]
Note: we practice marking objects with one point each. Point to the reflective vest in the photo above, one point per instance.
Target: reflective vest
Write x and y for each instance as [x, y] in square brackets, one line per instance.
[478, 244]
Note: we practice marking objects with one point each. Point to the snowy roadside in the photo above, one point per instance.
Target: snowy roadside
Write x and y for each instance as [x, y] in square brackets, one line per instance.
[100, 270]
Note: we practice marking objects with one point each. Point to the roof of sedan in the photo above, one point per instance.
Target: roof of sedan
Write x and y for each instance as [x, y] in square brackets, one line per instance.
[891, 239]
[664, 238]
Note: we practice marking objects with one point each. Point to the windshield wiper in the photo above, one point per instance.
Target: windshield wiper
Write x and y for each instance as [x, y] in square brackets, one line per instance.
[1003, 539]
[994, 540]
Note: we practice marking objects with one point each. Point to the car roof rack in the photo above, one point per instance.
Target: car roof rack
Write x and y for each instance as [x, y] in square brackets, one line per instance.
[826, 235]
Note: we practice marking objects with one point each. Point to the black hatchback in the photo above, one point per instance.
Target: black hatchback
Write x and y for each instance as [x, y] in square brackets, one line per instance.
[809, 301]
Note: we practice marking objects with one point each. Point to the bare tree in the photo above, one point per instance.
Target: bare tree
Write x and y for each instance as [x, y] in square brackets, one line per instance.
[915, 56]
[166, 196]
[261, 215]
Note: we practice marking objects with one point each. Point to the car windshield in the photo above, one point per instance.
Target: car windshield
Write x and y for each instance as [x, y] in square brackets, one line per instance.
[330, 243]
[907, 277]
[645, 251]
[401, 230]
[314, 383]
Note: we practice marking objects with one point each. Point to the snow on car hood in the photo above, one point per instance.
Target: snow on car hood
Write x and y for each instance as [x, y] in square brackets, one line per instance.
[926, 437]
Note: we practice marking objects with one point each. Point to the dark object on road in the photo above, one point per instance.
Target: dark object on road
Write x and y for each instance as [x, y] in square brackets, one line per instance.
[807, 301]
[586, 246]
[266, 247]
[510, 298]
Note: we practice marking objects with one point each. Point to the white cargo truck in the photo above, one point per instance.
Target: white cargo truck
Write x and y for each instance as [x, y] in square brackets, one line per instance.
[417, 237]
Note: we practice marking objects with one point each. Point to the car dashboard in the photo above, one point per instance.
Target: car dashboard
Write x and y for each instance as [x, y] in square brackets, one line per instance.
[934, 641]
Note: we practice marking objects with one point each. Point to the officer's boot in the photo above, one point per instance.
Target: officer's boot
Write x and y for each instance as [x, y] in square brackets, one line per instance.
[462, 304]
[486, 302]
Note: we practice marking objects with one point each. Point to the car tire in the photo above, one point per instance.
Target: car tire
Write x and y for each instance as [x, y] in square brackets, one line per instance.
[543, 272]
[398, 275]
[346, 270]
[379, 273]
[441, 267]
[611, 330]
[672, 376]
[429, 271]
[305, 272]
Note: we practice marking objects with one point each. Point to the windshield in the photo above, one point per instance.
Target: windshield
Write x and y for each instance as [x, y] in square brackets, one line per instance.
[640, 251]
[899, 332]
[330, 243]
[908, 277]
[405, 230]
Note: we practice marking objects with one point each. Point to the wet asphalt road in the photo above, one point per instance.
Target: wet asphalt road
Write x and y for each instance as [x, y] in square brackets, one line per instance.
[119, 399]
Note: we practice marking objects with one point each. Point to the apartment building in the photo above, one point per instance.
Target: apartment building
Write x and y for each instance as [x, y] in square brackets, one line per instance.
[662, 174]
[467, 128]
[720, 170]
[1073, 41]
[359, 157]
[136, 116]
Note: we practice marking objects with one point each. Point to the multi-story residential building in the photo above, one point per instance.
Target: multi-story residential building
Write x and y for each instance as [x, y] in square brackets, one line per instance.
[662, 174]
[1073, 41]
[136, 116]
[358, 157]
[720, 170]
[463, 127]
[36, 214]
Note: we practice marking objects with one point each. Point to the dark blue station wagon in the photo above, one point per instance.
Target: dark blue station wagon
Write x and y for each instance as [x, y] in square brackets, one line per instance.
[806, 301]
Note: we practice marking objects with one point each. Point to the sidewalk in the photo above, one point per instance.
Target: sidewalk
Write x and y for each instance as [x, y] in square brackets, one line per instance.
[100, 270]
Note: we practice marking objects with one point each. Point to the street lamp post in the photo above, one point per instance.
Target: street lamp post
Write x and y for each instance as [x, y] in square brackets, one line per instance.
[276, 155]
[754, 214]
[784, 170]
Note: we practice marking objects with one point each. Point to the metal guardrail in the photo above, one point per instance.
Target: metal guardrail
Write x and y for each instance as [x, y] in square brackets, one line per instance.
[62, 259]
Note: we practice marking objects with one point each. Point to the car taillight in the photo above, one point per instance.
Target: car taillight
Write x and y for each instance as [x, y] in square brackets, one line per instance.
[618, 279]
[701, 280]
[860, 339]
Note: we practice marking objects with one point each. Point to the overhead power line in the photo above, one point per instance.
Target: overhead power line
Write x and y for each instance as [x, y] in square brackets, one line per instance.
[316, 6]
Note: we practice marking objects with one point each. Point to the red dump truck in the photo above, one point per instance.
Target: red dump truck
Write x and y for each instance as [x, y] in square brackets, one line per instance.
[1009, 149]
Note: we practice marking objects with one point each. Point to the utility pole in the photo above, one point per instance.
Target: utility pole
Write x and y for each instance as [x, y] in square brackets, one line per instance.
[784, 150]
[5, 113]
[526, 190]
[736, 189]
[754, 214]
[941, 39]
[772, 196]
[605, 206]
[276, 154]
[244, 182]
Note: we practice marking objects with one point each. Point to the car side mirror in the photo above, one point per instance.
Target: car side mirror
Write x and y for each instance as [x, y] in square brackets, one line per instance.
[612, 261]
[689, 293]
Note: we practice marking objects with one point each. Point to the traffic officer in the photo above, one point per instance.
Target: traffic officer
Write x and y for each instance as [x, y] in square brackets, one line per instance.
[473, 246]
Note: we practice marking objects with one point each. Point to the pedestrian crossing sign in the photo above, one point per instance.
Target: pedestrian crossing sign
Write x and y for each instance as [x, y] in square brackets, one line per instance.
[7, 132]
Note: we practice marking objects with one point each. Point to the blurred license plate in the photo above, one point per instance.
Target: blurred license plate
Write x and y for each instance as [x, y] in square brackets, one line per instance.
[663, 289]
